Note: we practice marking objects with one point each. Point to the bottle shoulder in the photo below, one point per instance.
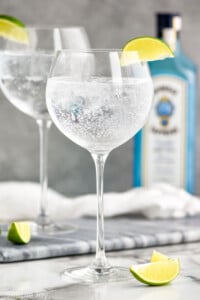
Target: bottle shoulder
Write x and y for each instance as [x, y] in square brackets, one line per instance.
[178, 67]
[187, 61]
[167, 66]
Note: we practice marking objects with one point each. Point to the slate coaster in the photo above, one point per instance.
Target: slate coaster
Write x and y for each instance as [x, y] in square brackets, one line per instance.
[120, 234]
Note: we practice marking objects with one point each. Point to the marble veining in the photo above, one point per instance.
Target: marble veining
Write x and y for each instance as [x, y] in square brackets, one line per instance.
[41, 279]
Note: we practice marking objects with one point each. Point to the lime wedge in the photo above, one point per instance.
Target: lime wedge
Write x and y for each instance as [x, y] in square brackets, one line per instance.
[13, 29]
[147, 49]
[156, 273]
[157, 256]
[19, 233]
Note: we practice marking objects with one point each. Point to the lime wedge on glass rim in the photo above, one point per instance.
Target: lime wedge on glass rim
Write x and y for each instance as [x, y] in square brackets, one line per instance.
[19, 233]
[13, 29]
[144, 48]
[156, 273]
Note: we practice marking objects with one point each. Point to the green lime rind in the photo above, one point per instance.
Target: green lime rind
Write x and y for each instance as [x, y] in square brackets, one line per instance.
[140, 278]
[13, 29]
[16, 237]
[13, 20]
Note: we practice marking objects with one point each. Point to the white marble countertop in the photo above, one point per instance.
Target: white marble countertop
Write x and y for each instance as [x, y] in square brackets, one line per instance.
[43, 277]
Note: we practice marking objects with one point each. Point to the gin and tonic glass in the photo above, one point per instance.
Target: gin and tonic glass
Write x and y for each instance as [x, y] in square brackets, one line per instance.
[23, 75]
[99, 103]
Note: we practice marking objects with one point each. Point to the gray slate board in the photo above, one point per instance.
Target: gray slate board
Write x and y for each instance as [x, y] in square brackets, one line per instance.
[121, 233]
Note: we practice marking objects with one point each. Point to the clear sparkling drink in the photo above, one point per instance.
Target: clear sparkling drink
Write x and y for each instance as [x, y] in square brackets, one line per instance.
[23, 78]
[27, 94]
[99, 114]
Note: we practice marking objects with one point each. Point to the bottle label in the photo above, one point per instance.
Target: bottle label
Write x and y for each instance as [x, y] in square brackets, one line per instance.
[163, 139]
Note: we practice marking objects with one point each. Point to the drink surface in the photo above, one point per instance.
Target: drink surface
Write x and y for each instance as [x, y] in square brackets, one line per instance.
[27, 94]
[99, 114]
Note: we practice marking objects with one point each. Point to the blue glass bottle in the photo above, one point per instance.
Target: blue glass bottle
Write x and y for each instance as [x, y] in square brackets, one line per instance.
[164, 150]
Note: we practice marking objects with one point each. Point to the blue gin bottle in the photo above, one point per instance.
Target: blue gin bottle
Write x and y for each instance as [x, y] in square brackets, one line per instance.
[164, 150]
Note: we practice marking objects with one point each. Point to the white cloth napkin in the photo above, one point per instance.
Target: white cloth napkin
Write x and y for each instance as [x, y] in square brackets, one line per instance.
[21, 200]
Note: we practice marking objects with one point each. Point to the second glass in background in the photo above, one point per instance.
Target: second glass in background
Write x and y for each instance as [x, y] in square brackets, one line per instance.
[23, 75]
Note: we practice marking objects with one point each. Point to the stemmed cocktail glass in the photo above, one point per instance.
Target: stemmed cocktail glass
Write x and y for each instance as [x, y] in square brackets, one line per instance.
[99, 102]
[23, 74]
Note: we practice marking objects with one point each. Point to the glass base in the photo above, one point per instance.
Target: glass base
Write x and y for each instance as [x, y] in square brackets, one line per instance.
[22, 294]
[91, 275]
[52, 228]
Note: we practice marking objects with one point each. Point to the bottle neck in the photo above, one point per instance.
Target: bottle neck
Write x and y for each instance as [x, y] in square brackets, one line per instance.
[172, 38]
[177, 47]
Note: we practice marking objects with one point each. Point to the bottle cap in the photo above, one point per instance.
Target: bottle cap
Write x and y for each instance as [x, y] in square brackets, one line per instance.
[168, 20]
[177, 23]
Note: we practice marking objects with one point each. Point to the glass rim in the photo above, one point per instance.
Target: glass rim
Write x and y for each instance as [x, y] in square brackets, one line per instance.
[57, 52]
[90, 50]
[52, 27]
[95, 50]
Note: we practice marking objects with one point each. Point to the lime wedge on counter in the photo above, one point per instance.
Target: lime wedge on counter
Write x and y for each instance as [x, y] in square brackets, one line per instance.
[144, 48]
[156, 273]
[157, 256]
[13, 29]
[19, 233]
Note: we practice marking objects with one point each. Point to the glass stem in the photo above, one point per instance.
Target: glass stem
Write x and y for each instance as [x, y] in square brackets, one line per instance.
[44, 126]
[100, 264]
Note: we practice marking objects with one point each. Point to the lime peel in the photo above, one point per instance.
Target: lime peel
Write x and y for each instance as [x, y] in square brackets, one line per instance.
[13, 19]
[13, 29]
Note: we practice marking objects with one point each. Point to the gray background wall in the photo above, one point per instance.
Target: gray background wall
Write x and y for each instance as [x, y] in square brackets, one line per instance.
[109, 23]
